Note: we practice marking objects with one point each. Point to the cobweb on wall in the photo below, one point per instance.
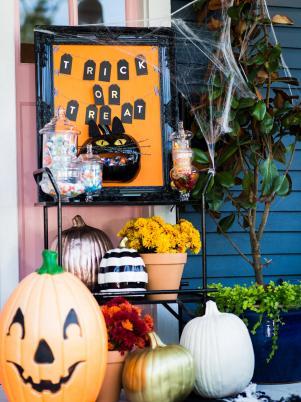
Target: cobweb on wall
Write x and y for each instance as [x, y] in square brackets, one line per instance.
[208, 74]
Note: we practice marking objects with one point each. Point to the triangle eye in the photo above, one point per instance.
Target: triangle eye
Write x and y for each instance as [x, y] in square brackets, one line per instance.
[102, 143]
[120, 141]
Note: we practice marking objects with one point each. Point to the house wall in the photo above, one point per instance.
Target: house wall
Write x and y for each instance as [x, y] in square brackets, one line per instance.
[282, 238]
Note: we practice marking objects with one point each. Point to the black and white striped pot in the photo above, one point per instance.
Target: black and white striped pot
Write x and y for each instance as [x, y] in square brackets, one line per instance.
[122, 270]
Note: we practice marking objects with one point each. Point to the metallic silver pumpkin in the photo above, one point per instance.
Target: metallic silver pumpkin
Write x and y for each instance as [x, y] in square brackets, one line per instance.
[83, 249]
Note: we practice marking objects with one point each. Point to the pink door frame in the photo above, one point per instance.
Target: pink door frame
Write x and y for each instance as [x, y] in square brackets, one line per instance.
[110, 219]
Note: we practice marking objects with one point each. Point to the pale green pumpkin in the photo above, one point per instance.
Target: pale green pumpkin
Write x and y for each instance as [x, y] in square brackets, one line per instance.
[160, 373]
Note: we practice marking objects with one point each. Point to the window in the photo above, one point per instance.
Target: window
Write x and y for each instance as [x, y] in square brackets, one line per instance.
[39, 12]
[108, 12]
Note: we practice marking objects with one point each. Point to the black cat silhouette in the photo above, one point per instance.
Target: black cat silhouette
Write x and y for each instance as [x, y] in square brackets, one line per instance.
[120, 153]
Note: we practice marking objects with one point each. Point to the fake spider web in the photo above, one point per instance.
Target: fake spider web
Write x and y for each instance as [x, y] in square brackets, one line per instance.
[208, 74]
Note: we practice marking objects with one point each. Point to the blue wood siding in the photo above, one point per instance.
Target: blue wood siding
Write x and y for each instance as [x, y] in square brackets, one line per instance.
[282, 240]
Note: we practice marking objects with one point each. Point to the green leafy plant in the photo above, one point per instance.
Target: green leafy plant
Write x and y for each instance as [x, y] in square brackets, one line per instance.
[253, 160]
[271, 301]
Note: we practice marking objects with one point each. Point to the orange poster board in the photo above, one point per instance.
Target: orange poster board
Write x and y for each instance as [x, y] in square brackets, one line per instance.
[134, 70]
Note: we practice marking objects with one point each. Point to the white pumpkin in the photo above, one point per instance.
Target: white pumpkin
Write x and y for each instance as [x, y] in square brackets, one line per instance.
[223, 352]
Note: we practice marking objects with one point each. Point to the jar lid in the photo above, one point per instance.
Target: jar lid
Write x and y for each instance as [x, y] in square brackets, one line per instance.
[89, 157]
[181, 134]
[59, 124]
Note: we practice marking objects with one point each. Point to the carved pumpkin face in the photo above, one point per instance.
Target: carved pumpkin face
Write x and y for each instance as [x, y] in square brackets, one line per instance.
[53, 341]
[120, 153]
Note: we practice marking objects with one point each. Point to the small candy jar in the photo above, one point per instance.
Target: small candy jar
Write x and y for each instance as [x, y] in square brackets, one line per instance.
[68, 179]
[59, 139]
[183, 175]
[91, 173]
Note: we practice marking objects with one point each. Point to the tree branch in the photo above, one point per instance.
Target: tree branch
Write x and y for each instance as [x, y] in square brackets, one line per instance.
[291, 157]
[264, 220]
[232, 242]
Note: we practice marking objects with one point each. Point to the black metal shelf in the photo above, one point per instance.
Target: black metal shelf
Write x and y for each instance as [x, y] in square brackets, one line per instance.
[140, 297]
[184, 295]
[135, 201]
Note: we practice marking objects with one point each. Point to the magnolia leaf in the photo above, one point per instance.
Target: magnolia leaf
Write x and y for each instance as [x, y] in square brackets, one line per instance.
[234, 12]
[282, 19]
[269, 172]
[235, 128]
[262, 75]
[200, 156]
[215, 204]
[259, 111]
[248, 181]
[234, 103]
[200, 185]
[214, 24]
[259, 59]
[245, 222]
[279, 152]
[245, 102]
[225, 223]
[226, 153]
[215, 93]
[196, 192]
[266, 125]
[286, 80]
[282, 185]
[225, 179]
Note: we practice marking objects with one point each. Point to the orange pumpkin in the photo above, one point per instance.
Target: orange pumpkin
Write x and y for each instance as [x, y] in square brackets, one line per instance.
[53, 339]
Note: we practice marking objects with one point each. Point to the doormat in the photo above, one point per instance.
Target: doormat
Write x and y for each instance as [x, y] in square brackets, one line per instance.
[250, 394]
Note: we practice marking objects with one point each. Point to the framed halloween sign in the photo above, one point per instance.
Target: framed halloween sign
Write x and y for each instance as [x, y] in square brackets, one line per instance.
[115, 86]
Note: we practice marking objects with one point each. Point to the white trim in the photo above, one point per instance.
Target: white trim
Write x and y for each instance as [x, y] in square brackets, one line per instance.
[9, 253]
[118, 277]
[157, 12]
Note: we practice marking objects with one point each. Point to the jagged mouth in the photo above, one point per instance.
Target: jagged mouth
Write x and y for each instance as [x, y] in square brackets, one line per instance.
[46, 385]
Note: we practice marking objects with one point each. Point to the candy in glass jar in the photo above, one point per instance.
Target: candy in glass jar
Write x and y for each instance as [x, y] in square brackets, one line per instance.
[91, 173]
[183, 174]
[68, 180]
[59, 139]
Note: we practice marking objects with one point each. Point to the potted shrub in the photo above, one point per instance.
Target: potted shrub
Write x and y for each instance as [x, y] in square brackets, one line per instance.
[127, 330]
[265, 129]
[163, 248]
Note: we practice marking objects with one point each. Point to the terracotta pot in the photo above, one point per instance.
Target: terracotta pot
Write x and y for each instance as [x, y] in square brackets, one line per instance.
[111, 387]
[164, 273]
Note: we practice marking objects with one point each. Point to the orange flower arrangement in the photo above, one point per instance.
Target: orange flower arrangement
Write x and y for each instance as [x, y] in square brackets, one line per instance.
[126, 327]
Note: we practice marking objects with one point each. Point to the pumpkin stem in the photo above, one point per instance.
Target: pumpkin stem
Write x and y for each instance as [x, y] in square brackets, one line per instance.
[155, 341]
[50, 265]
[211, 308]
[78, 221]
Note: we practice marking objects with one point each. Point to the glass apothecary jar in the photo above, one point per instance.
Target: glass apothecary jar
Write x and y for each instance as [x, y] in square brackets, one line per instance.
[59, 139]
[183, 174]
[91, 173]
[68, 179]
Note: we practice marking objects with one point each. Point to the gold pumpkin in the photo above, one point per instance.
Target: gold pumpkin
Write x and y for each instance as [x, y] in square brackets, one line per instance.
[160, 373]
[53, 339]
[83, 249]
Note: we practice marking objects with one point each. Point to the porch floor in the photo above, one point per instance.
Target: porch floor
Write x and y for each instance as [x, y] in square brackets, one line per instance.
[276, 392]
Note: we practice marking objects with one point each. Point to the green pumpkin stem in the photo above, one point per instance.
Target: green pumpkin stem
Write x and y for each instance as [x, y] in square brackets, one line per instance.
[155, 341]
[50, 265]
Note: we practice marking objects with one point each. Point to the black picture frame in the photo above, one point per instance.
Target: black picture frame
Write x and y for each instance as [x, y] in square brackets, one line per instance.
[47, 37]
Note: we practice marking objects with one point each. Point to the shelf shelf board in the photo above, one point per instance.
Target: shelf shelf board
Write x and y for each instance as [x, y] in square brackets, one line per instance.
[184, 296]
[119, 202]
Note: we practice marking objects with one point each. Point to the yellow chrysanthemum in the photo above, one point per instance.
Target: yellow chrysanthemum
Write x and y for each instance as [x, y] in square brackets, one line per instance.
[155, 235]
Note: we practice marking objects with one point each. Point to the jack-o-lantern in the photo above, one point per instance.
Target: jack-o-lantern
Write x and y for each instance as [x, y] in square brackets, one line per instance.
[53, 339]
[119, 152]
